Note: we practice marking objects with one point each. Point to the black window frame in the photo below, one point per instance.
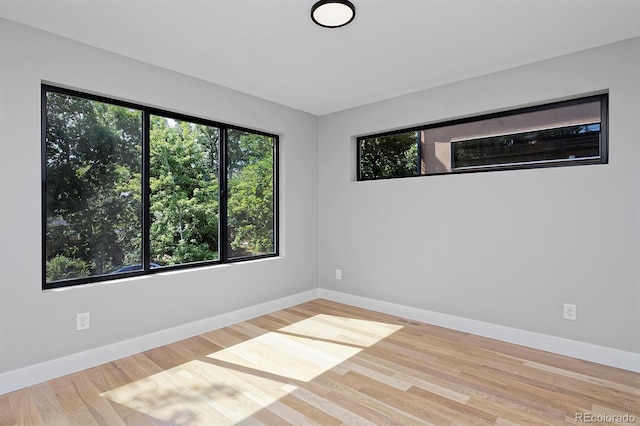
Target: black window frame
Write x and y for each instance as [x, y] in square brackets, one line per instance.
[602, 98]
[146, 113]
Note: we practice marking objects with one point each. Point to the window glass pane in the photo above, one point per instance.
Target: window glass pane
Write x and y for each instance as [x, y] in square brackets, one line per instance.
[551, 134]
[570, 132]
[93, 187]
[250, 205]
[184, 165]
[389, 156]
[565, 143]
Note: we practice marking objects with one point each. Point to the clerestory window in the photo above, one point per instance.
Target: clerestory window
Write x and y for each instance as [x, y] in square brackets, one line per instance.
[559, 134]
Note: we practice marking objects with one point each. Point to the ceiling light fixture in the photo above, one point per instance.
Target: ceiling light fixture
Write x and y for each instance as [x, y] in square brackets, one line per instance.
[333, 13]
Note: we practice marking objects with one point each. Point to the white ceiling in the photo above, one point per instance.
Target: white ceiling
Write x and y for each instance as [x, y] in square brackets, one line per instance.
[272, 49]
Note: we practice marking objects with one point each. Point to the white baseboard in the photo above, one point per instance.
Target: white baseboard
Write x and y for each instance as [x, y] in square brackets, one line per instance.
[580, 350]
[33, 374]
[27, 376]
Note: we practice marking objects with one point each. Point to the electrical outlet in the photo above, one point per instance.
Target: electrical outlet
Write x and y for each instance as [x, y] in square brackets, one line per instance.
[338, 274]
[82, 321]
[569, 312]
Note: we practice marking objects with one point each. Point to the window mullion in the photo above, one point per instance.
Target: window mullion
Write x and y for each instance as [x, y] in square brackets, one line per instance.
[223, 175]
[419, 156]
[146, 191]
[43, 171]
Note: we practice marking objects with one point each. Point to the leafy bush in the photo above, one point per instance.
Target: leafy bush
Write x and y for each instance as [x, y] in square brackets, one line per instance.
[62, 268]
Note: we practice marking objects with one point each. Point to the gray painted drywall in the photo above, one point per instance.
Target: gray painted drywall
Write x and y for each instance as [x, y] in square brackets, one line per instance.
[502, 247]
[37, 326]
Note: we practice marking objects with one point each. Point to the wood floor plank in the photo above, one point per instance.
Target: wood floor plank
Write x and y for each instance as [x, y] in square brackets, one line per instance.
[264, 392]
[76, 410]
[108, 376]
[99, 407]
[311, 414]
[325, 363]
[456, 410]
[330, 407]
[196, 347]
[48, 406]
[25, 409]
[404, 402]
[7, 417]
[559, 361]
[334, 383]
[166, 357]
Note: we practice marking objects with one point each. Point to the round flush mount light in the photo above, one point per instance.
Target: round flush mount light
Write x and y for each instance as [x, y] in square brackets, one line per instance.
[333, 13]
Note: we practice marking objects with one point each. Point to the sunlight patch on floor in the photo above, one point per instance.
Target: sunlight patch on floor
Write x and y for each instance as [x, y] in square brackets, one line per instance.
[345, 330]
[199, 392]
[290, 357]
[233, 384]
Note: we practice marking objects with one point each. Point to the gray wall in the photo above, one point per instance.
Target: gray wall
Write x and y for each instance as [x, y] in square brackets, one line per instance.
[37, 326]
[508, 247]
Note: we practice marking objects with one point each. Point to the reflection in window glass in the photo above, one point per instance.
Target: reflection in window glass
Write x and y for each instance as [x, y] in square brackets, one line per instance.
[565, 143]
[251, 197]
[184, 166]
[93, 187]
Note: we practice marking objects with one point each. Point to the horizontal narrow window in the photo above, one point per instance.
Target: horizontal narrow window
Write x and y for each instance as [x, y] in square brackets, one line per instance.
[564, 133]
[130, 190]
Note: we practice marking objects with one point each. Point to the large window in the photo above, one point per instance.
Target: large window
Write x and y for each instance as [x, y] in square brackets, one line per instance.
[563, 133]
[130, 190]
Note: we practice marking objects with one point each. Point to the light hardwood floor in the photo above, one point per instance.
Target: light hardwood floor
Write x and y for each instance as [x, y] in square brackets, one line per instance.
[326, 363]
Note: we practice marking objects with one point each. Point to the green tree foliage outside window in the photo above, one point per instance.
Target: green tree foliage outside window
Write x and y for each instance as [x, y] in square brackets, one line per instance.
[251, 194]
[93, 187]
[389, 156]
[93, 216]
[184, 191]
